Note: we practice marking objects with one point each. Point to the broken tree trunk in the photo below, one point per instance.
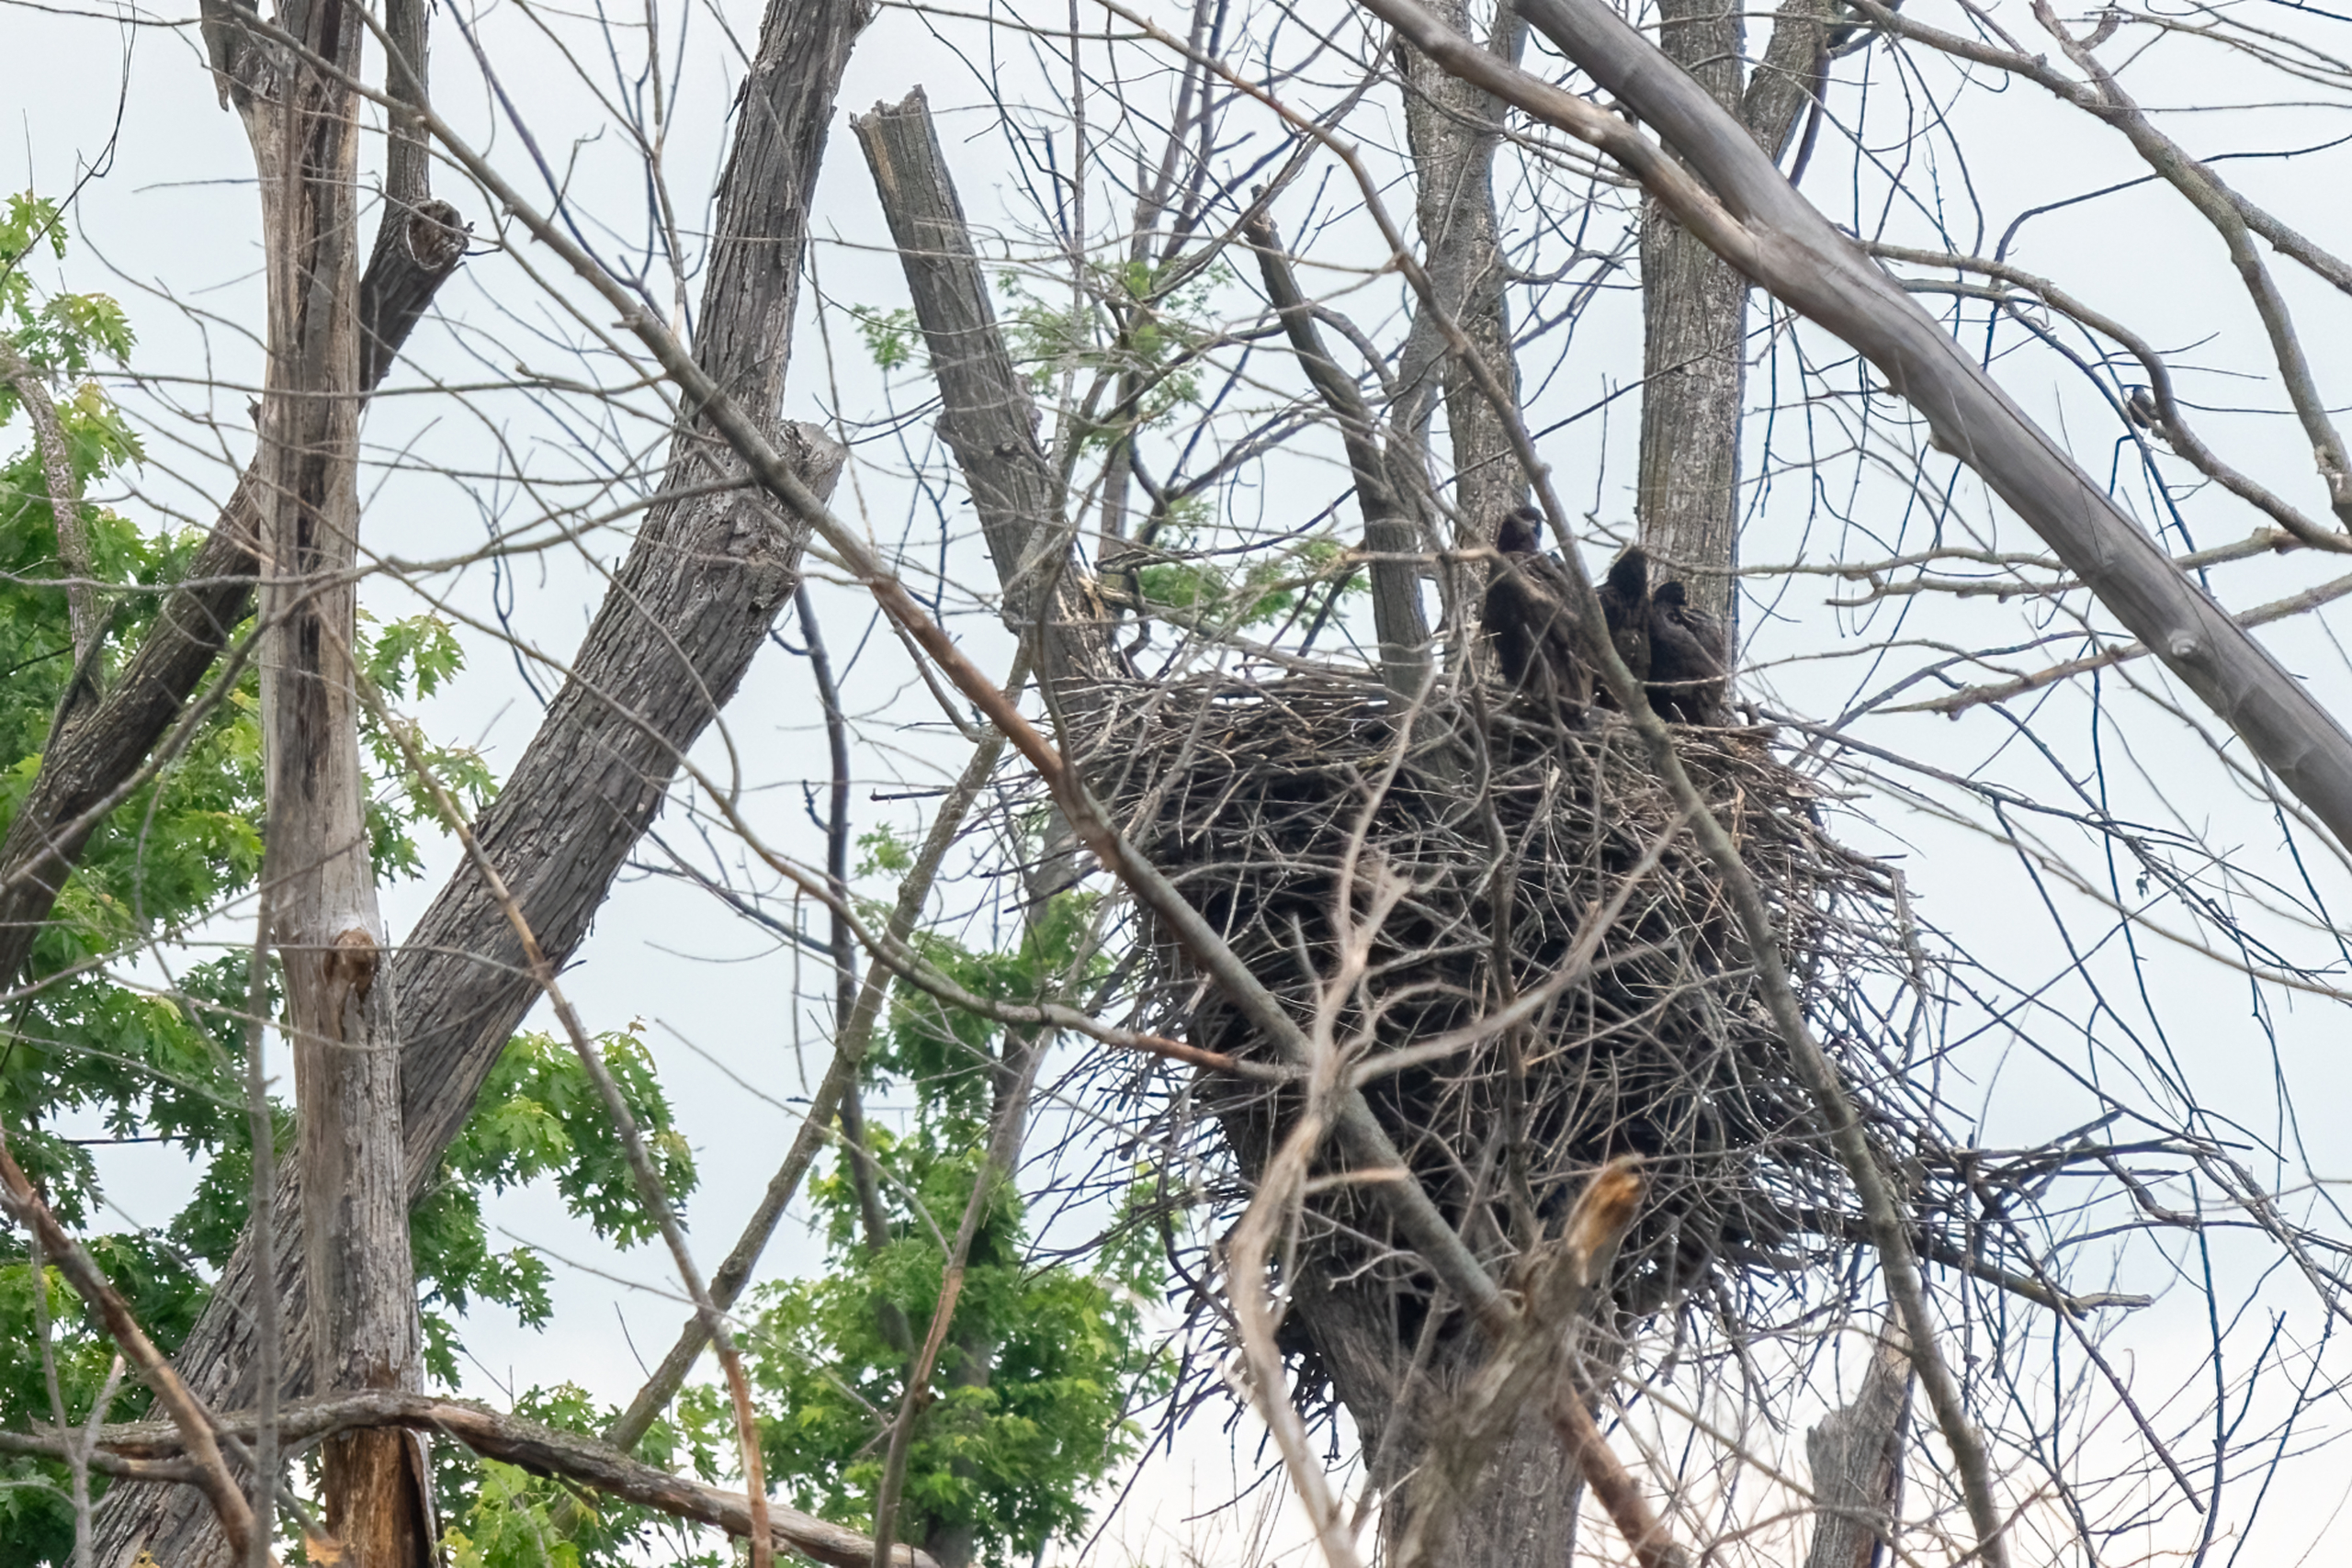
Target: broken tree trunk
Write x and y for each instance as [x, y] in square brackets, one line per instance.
[687, 613]
[299, 106]
[987, 416]
[1857, 1458]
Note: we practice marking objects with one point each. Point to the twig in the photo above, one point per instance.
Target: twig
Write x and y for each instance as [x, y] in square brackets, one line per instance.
[24, 1205]
[842, 945]
[640, 1161]
[1954, 703]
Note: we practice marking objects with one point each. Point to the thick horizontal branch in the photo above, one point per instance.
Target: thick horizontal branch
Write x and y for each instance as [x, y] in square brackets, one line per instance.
[543, 1451]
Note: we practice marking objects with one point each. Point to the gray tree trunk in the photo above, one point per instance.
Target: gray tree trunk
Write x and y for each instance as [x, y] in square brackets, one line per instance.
[329, 931]
[1694, 309]
[1857, 1458]
[1452, 129]
[687, 611]
[988, 418]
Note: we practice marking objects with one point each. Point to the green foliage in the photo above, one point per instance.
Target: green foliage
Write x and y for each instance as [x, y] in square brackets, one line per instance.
[420, 654]
[537, 1117]
[892, 337]
[1041, 1364]
[66, 334]
[1130, 323]
[501, 1516]
[36, 1511]
[1264, 589]
[882, 851]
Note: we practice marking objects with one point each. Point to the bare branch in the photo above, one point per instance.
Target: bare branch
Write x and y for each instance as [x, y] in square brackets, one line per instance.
[542, 1450]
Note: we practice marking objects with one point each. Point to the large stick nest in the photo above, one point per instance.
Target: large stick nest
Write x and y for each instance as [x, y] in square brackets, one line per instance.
[1510, 834]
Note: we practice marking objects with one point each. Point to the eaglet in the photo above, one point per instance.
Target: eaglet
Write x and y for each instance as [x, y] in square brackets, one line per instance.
[1530, 615]
[1689, 658]
[1625, 602]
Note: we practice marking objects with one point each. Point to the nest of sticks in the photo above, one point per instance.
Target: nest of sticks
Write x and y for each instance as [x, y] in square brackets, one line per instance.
[1526, 859]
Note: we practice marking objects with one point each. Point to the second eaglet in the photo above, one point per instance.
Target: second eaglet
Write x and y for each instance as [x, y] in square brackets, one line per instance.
[1690, 656]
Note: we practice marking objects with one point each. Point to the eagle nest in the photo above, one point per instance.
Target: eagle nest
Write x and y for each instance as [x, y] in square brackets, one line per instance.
[1506, 838]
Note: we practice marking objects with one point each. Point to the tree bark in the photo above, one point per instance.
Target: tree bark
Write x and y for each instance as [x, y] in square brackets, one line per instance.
[1857, 1458]
[687, 611]
[341, 1020]
[1694, 310]
[988, 418]
[1452, 128]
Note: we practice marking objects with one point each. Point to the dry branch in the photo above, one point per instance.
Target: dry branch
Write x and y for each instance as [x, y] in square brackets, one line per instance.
[1389, 535]
[64, 510]
[1953, 704]
[190, 1421]
[543, 1451]
[1772, 233]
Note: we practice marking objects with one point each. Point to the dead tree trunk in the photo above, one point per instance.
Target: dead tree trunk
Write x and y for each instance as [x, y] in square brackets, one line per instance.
[362, 1289]
[687, 611]
[1857, 1458]
[987, 416]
